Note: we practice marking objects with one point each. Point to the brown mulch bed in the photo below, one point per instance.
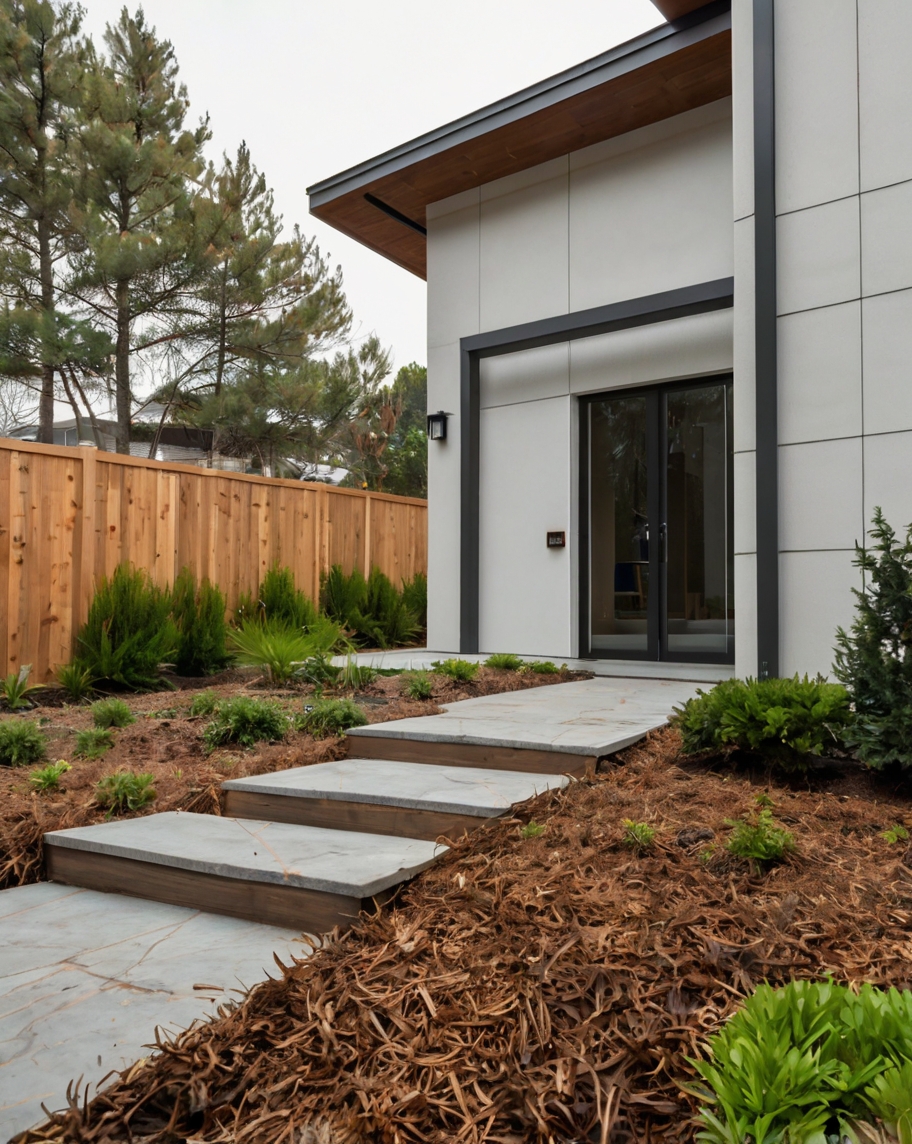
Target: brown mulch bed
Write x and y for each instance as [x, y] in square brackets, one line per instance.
[533, 989]
[167, 743]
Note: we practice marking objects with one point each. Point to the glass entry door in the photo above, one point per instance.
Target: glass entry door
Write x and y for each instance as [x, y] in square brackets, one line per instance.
[657, 524]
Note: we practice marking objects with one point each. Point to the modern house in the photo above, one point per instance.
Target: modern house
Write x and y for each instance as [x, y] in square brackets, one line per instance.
[670, 318]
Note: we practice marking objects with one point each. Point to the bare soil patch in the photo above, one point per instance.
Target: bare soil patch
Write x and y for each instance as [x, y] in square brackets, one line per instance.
[532, 989]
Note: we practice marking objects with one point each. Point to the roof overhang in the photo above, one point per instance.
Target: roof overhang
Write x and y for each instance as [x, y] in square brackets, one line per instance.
[675, 9]
[674, 68]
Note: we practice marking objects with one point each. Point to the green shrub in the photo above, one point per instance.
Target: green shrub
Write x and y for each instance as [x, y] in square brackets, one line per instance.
[504, 661]
[199, 615]
[414, 596]
[320, 670]
[355, 676]
[372, 610]
[417, 685]
[757, 836]
[21, 743]
[638, 835]
[784, 720]
[205, 703]
[283, 650]
[284, 604]
[331, 717]
[873, 659]
[129, 633]
[246, 721]
[93, 742]
[48, 778]
[16, 688]
[77, 681]
[460, 670]
[804, 1063]
[112, 713]
[125, 791]
[542, 667]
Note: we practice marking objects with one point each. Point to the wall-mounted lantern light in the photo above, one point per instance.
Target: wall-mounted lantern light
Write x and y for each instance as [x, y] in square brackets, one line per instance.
[437, 425]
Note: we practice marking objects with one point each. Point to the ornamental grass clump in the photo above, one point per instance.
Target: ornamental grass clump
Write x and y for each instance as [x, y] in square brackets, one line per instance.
[283, 651]
[786, 721]
[125, 791]
[112, 713]
[329, 717]
[21, 743]
[93, 742]
[246, 721]
[76, 681]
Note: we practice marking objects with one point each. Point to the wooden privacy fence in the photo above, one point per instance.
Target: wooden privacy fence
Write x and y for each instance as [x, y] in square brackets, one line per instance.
[68, 515]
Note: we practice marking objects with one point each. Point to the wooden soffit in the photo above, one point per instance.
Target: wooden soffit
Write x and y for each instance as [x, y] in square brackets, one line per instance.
[675, 9]
[670, 70]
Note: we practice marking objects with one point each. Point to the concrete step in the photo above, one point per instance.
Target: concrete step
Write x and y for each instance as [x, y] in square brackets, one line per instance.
[412, 800]
[303, 877]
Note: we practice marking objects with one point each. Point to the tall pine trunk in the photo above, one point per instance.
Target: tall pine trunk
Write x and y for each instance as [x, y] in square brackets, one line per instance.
[46, 272]
[122, 366]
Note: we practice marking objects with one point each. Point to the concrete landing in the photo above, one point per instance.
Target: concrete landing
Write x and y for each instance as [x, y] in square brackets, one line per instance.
[593, 717]
[85, 979]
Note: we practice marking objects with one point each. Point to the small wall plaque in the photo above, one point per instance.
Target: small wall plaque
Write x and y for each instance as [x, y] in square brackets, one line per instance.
[557, 540]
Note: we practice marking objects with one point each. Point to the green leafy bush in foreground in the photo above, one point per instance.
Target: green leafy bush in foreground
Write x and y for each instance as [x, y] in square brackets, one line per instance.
[48, 778]
[504, 661]
[93, 742]
[417, 685]
[112, 713]
[758, 836]
[460, 670]
[21, 743]
[783, 720]
[198, 611]
[331, 717]
[125, 791]
[246, 721]
[874, 658]
[283, 650]
[77, 681]
[803, 1064]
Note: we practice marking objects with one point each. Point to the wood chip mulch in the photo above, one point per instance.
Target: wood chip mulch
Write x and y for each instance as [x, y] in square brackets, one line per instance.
[536, 989]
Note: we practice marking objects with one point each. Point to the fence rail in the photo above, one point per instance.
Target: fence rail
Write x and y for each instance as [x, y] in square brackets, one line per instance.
[70, 514]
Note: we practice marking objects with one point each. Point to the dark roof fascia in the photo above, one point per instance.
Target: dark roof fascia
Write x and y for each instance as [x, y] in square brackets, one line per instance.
[651, 46]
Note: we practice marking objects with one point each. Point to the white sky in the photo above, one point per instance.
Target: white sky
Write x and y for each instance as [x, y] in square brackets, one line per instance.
[315, 86]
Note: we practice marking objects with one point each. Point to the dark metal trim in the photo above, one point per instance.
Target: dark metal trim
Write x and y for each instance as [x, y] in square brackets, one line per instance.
[654, 45]
[702, 298]
[397, 215]
[766, 349]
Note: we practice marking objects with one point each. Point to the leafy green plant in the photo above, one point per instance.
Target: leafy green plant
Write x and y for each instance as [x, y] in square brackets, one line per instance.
[282, 603]
[784, 720]
[129, 634]
[205, 703]
[460, 670]
[15, 688]
[199, 615]
[532, 829]
[895, 833]
[542, 667]
[77, 681]
[21, 743]
[320, 670]
[372, 610]
[331, 717]
[638, 835]
[93, 742]
[504, 661]
[283, 650]
[802, 1063]
[417, 685]
[246, 721]
[48, 778]
[355, 676]
[757, 835]
[414, 597]
[125, 791]
[112, 713]
[874, 658]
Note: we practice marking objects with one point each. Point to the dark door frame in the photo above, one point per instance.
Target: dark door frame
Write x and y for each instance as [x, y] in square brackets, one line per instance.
[656, 447]
[702, 298]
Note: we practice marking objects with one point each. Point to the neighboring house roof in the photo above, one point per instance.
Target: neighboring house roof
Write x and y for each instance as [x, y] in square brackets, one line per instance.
[671, 69]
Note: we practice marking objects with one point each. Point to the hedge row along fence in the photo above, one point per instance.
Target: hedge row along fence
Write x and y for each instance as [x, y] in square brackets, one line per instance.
[68, 515]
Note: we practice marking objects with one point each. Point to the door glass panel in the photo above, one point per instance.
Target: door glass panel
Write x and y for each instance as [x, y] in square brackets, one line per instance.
[619, 532]
[699, 598]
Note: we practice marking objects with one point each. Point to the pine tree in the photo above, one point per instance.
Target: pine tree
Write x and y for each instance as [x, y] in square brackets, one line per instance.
[138, 168]
[41, 63]
[874, 659]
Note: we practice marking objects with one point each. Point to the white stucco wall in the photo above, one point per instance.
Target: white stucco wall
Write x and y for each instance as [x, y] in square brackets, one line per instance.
[647, 212]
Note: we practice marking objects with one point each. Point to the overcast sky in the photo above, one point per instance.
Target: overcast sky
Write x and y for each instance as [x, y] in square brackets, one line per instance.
[315, 87]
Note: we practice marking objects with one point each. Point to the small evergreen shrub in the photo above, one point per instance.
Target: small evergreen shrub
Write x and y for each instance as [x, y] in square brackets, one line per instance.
[48, 778]
[199, 615]
[874, 658]
[757, 836]
[371, 609]
[129, 633]
[93, 742]
[21, 743]
[414, 596]
[331, 717]
[112, 713]
[810, 1062]
[15, 688]
[125, 791]
[77, 681]
[504, 661]
[460, 670]
[639, 836]
[282, 603]
[417, 685]
[784, 720]
[205, 703]
[246, 721]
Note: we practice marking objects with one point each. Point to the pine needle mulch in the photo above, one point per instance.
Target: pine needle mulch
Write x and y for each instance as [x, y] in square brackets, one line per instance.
[536, 989]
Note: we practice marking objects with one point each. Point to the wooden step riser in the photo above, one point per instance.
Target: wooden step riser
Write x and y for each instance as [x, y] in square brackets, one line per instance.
[291, 907]
[470, 755]
[368, 818]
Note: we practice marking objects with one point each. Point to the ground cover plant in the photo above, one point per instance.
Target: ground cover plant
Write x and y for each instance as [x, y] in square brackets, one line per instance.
[504, 661]
[461, 670]
[544, 981]
[417, 685]
[757, 835]
[21, 743]
[112, 713]
[48, 778]
[246, 721]
[331, 717]
[93, 742]
[125, 791]
[15, 688]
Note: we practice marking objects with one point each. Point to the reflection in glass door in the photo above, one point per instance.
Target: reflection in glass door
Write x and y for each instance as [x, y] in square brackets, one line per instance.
[657, 520]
